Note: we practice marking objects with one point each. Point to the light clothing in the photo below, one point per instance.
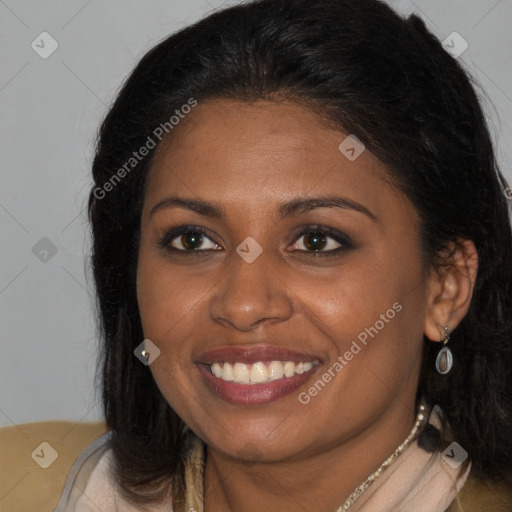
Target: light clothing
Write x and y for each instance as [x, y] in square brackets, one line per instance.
[418, 481]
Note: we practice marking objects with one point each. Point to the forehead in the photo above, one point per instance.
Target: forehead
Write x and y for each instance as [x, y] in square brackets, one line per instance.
[258, 153]
[249, 136]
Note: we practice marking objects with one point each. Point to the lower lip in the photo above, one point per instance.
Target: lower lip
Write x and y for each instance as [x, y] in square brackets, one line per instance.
[254, 394]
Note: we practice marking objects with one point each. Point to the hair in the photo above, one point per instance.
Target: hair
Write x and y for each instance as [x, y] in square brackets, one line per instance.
[412, 105]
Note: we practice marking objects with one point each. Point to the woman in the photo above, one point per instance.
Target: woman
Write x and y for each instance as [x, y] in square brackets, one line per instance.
[302, 257]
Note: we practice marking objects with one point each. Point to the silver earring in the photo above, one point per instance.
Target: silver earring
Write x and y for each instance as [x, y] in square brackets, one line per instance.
[444, 360]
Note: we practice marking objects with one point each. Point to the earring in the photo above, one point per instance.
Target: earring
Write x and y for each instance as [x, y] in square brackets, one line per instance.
[444, 360]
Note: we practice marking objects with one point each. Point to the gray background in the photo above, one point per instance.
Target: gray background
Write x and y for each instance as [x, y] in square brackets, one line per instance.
[50, 110]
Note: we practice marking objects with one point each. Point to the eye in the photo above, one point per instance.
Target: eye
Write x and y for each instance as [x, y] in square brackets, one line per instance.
[321, 241]
[317, 240]
[186, 239]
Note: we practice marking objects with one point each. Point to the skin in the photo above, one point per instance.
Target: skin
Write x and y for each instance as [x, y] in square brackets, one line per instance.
[248, 159]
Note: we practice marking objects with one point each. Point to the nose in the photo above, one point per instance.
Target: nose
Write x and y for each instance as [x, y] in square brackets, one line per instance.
[250, 294]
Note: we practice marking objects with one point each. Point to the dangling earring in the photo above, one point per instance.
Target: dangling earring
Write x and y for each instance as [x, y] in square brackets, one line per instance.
[444, 360]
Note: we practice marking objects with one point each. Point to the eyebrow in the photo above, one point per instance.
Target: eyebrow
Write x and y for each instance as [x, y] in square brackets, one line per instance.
[296, 206]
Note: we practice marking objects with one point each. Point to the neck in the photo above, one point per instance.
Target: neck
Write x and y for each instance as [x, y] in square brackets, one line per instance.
[320, 482]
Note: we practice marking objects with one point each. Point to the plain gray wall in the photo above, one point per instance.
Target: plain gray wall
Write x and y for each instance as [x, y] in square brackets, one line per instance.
[50, 110]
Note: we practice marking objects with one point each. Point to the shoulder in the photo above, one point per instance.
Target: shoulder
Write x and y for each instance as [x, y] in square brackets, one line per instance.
[477, 495]
[89, 485]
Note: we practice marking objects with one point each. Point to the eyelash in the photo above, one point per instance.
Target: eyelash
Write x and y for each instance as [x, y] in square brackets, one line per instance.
[165, 239]
[336, 235]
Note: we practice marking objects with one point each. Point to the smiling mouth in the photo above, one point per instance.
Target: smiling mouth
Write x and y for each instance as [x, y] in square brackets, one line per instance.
[256, 383]
[255, 374]
[260, 372]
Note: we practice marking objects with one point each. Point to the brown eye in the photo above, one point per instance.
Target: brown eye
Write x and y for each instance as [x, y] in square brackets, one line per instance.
[321, 241]
[186, 239]
[315, 241]
[191, 241]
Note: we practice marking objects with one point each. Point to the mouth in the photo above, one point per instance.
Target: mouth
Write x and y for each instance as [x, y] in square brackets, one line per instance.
[255, 375]
[260, 372]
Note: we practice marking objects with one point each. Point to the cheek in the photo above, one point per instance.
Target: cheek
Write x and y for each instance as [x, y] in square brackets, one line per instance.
[358, 295]
[372, 314]
[165, 314]
[375, 351]
[167, 305]
[167, 298]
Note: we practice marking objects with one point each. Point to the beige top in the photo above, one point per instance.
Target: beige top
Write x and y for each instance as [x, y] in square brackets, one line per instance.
[418, 481]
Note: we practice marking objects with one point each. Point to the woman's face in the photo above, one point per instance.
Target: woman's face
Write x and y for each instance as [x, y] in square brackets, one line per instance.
[329, 340]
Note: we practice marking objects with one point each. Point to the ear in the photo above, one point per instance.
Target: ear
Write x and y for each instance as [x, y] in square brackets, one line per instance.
[451, 288]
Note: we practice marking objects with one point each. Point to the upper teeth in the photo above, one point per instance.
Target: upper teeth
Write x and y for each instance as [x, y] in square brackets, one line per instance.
[257, 373]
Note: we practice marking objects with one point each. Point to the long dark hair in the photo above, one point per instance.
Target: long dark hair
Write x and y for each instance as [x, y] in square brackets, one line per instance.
[413, 106]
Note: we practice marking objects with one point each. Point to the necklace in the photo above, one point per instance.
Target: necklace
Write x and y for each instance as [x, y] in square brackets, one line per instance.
[420, 420]
[195, 503]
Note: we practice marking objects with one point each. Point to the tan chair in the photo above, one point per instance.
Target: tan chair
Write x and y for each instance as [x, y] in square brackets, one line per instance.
[26, 484]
